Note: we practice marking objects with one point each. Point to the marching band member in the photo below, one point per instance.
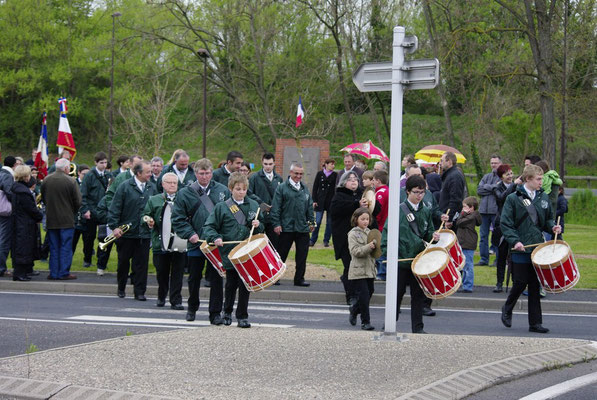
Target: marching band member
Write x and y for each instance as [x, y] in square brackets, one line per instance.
[416, 226]
[192, 206]
[127, 208]
[234, 160]
[169, 265]
[525, 215]
[232, 221]
[180, 167]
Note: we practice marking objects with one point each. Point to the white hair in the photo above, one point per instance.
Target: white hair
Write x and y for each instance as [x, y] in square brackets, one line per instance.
[62, 164]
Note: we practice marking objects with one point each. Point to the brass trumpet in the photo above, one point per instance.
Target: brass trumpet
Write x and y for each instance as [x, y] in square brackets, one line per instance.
[110, 238]
[39, 202]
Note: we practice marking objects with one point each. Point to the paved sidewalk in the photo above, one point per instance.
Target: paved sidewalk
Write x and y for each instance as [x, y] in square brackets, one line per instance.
[572, 301]
[267, 363]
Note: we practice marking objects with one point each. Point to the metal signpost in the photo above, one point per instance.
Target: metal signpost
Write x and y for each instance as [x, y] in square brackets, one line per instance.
[396, 76]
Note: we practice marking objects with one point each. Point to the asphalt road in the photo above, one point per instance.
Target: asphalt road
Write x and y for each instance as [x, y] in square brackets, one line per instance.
[55, 320]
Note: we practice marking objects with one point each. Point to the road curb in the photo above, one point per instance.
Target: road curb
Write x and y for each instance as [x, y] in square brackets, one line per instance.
[307, 296]
[473, 380]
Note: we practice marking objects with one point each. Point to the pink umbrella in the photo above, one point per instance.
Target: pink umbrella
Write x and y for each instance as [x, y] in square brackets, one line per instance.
[367, 150]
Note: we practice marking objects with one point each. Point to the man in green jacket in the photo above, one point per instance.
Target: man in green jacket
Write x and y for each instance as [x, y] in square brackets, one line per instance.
[169, 263]
[410, 244]
[180, 167]
[525, 215]
[263, 184]
[293, 219]
[133, 245]
[225, 224]
[234, 160]
[93, 188]
[192, 206]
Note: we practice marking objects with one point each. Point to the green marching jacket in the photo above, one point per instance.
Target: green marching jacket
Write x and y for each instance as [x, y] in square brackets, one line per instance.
[93, 188]
[154, 208]
[429, 202]
[189, 214]
[410, 245]
[187, 180]
[222, 224]
[516, 223]
[261, 187]
[127, 208]
[292, 209]
[123, 176]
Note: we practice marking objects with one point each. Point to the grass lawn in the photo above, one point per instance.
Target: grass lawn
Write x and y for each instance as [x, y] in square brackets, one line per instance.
[577, 236]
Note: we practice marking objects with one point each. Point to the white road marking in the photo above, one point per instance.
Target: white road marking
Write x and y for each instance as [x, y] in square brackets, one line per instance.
[176, 322]
[62, 321]
[562, 388]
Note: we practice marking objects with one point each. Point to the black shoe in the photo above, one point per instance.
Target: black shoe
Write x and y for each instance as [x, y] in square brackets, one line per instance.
[498, 289]
[243, 323]
[311, 244]
[86, 264]
[277, 283]
[190, 316]
[33, 273]
[538, 329]
[178, 307]
[507, 318]
[121, 294]
[428, 312]
[367, 327]
[216, 320]
[207, 284]
[227, 319]
[420, 331]
[302, 283]
[480, 264]
[326, 244]
[21, 278]
[352, 319]
[464, 291]
[160, 303]
[140, 297]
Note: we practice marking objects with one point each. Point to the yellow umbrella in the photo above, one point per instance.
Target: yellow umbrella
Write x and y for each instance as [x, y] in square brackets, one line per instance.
[433, 153]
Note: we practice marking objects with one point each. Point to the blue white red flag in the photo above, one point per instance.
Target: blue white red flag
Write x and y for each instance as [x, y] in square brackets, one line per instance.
[300, 113]
[65, 136]
[41, 157]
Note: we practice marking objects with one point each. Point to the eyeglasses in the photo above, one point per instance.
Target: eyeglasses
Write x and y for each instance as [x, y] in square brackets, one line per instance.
[204, 173]
[352, 180]
[417, 192]
[298, 173]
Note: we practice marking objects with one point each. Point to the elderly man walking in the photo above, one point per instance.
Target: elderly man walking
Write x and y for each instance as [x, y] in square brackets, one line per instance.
[60, 193]
[488, 207]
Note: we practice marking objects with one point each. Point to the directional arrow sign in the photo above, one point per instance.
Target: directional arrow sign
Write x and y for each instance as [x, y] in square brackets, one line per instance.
[377, 76]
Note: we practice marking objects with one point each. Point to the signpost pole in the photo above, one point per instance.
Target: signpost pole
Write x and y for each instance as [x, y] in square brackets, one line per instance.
[395, 165]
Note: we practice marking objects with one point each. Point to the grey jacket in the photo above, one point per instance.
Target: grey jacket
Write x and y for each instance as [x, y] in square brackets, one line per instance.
[486, 190]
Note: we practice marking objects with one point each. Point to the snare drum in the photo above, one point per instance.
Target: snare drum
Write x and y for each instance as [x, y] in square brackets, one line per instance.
[555, 266]
[212, 253]
[257, 262]
[170, 240]
[449, 241]
[436, 273]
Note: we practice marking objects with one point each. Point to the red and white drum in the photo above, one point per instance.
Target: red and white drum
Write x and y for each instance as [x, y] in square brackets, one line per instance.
[436, 272]
[257, 263]
[449, 241]
[212, 253]
[555, 266]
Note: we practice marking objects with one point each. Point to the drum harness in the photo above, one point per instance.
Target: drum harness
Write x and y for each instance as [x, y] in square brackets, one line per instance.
[239, 216]
[410, 217]
[203, 198]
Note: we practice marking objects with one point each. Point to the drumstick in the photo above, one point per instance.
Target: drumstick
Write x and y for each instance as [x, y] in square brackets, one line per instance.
[529, 245]
[228, 242]
[253, 227]
[442, 224]
[555, 238]
[399, 260]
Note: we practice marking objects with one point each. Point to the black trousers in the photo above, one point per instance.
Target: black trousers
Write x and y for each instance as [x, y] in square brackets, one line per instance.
[169, 268]
[348, 287]
[273, 236]
[364, 289]
[502, 259]
[103, 256]
[524, 275]
[133, 255]
[88, 236]
[21, 270]
[301, 241]
[417, 298]
[233, 282]
[216, 291]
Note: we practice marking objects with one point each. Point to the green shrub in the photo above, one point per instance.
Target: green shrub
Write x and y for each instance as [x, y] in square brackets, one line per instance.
[582, 208]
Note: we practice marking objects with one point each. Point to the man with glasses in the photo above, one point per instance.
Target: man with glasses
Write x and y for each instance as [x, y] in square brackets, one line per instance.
[293, 219]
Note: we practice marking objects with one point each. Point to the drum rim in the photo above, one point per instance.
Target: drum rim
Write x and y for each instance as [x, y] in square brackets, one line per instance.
[429, 250]
[253, 252]
[207, 246]
[554, 264]
[454, 238]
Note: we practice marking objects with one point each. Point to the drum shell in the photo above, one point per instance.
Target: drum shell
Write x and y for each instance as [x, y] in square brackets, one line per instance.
[169, 240]
[442, 282]
[559, 276]
[454, 249]
[212, 253]
[261, 267]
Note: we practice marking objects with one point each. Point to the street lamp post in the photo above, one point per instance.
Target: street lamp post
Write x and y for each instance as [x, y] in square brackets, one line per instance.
[111, 131]
[203, 53]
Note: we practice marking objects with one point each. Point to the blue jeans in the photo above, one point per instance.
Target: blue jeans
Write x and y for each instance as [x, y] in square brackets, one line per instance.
[468, 274]
[61, 251]
[487, 220]
[5, 240]
[328, 226]
[381, 268]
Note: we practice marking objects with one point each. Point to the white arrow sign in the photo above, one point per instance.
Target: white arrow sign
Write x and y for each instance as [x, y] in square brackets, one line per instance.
[377, 76]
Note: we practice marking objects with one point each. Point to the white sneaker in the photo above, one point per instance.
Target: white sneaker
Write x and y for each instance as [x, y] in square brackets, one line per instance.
[100, 272]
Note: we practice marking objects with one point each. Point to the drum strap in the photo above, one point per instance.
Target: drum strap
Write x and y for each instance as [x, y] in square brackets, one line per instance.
[410, 217]
[203, 197]
[239, 216]
[528, 204]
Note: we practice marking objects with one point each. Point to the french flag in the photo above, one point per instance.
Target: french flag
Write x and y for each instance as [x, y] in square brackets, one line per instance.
[41, 157]
[65, 136]
[300, 113]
